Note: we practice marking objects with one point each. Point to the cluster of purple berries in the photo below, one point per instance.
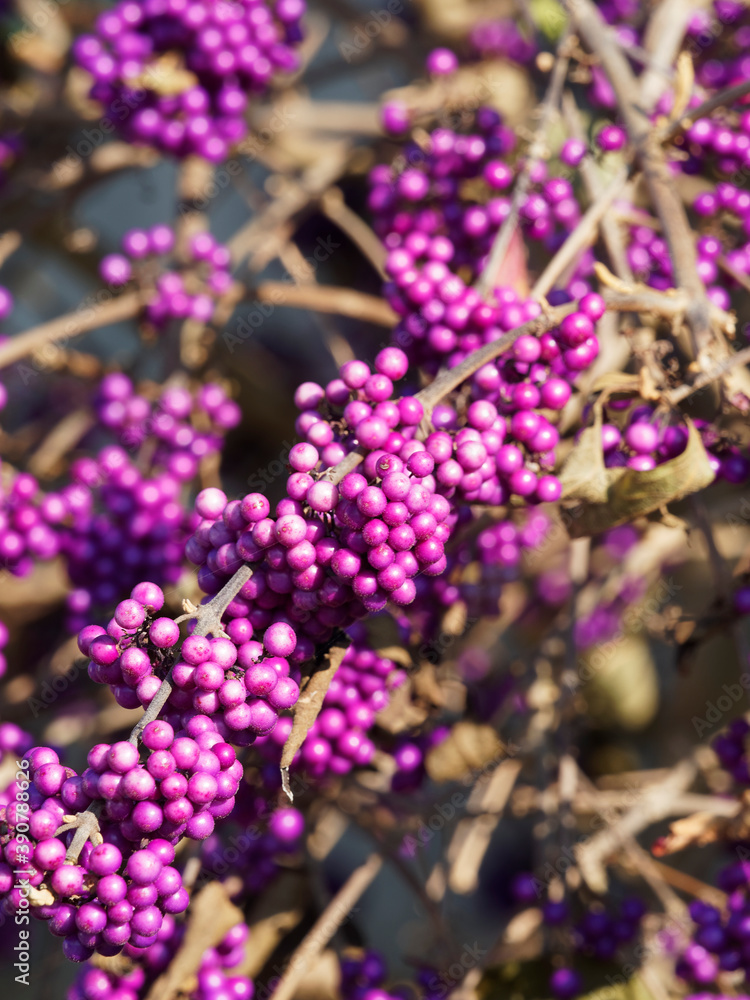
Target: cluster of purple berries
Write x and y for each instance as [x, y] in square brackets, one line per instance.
[334, 552]
[253, 853]
[363, 976]
[169, 421]
[139, 530]
[721, 939]
[338, 740]
[175, 298]
[645, 440]
[117, 893]
[439, 231]
[214, 978]
[177, 76]
[29, 523]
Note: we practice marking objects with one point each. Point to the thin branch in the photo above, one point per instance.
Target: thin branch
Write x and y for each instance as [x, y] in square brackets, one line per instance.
[328, 299]
[355, 227]
[654, 804]
[582, 236]
[662, 40]
[717, 370]
[664, 196]
[84, 319]
[208, 620]
[723, 99]
[487, 278]
[334, 915]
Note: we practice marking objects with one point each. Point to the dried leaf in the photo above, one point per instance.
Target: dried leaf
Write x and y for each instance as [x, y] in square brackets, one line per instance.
[470, 747]
[584, 475]
[632, 494]
[683, 85]
[211, 916]
[401, 713]
[616, 382]
[309, 704]
[426, 686]
[700, 829]
[166, 76]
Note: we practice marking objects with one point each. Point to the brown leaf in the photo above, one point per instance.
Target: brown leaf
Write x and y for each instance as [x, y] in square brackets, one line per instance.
[211, 916]
[426, 685]
[616, 382]
[310, 701]
[634, 494]
[470, 747]
[401, 713]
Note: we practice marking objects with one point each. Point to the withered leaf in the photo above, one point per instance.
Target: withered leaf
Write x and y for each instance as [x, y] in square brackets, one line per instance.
[634, 494]
[212, 914]
[700, 828]
[401, 713]
[616, 382]
[312, 692]
[584, 476]
[470, 747]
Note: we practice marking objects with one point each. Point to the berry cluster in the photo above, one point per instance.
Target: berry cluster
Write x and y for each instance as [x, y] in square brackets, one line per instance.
[253, 853]
[643, 438]
[178, 76]
[29, 523]
[177, 297]
[117, 893]
[363, 976]
[170, 421]
[338, 739]
[214, 978]
[139, 530]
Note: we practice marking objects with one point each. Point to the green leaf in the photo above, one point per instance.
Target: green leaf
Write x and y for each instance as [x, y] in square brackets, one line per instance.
[549, 17]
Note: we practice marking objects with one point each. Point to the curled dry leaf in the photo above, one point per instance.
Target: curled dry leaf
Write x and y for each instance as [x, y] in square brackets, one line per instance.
[699, 829]
[628, 494]
[470, 747]
[312, 692]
